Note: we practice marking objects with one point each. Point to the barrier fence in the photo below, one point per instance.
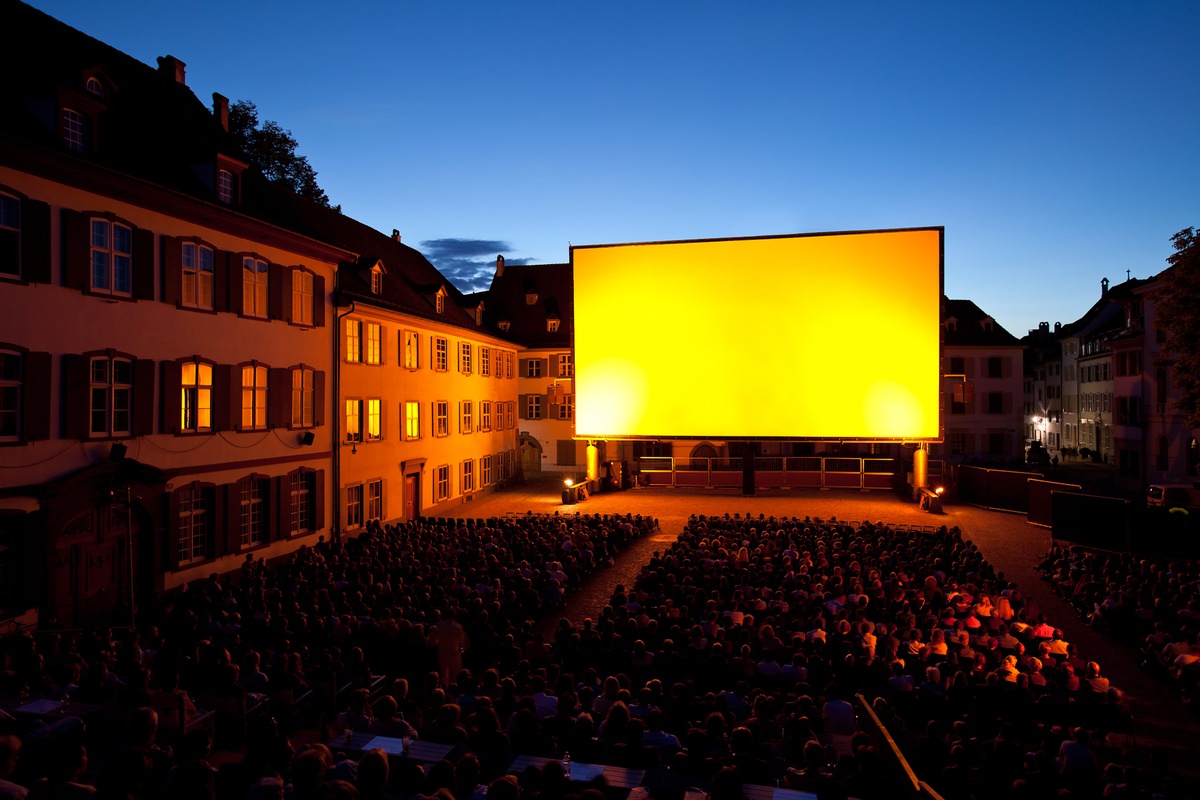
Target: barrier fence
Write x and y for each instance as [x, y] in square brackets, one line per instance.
[772, 472]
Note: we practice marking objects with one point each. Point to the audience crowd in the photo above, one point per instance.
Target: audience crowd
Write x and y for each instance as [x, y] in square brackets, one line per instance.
[735, 657]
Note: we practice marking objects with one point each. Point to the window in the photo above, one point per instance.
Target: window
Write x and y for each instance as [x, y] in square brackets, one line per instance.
[997, 444]
[302, 501]
[485, 471]
[254, 397]
[510, 410]
[442, 484]
[254, 287]
[226, 188]
[509, 361]
[412, 420]
[197, 276]
[95, 88]
[194, 520]
[1162, 458]
[485, 361]
[958, 444]
[566, 366]
[533, 368]
[441, 354]
[375, 499]
[995, 367]
[302, 297]
[467, 476]
[464, 357]
[353, 341]
[354, 420]
[466, 421]
[10, 395]
[376, 280]
[111, 257]
[485, 415]
[303, 396]
[962, 398]
[253, 519]
[958, 365]
[374, 351]
[551, 326]
[196, 400]
[112, 390]
[74, 129]
[504, 325]
[566, 409]
[441, 418]
[412, 350]
[354, 506]
[374, 422]
[995, 402]
[10, 235]
[533, 406]
[441, 301]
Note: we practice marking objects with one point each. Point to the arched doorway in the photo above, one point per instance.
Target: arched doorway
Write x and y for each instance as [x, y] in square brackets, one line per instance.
[703, 455]
[531, 456]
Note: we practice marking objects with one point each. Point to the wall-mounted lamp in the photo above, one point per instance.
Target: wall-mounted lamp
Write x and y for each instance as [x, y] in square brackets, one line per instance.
[307, 438]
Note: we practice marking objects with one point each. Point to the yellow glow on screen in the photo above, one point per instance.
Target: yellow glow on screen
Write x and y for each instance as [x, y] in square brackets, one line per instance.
[822, 336]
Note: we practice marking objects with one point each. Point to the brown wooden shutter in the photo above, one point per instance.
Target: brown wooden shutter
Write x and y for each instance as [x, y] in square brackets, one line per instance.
[229, 501]
[143, 397]
[237, 280]
[35, 242]
[522, 406]
[172, 555]
[383, 422]
[285, 292]
[319, 499]
[77, 249]
[318, 397]
[319, 300]
[172, 387]
[275, 295]
[172, 260]
[222, 270]
[279, 398]
[276, 491]
[77, 401]
[227, 397]
[35, 411]
[545, 367]
[143, 264]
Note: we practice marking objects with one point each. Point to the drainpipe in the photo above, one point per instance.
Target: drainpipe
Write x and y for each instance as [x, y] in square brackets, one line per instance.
[336, 534]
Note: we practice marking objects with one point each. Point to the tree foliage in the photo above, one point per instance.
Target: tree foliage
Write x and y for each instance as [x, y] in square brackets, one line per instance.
[273, 150]
[1178, 314]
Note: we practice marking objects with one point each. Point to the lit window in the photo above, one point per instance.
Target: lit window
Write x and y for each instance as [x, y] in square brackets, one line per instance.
[111, 392]
[510, 411]
[353, 341]
[441, 302]
[533, 368]
[485, 361]
[485, 415]
[303, 490]
[10, 395]
[193, 525]
[466, 416]
[226, 188]
[552, 326]
[467, 476]
[376, 280]
[375, 499]
[74, 130]
[374, 352]
[354, 506]
[565, 366]
[374, 431]
[464, 357]
[111, 257]
[302, 297]
[441, 354]
[302, 398]
[196, 400]
[533, 406]
[441, 418]
[443, 482]
[254, 287]
[10, 235]
[197, 276]
[566, 409]
[412, 420]
[412, 350]
[485, 471]
[253, 529]
[354, 420]
[254, 398]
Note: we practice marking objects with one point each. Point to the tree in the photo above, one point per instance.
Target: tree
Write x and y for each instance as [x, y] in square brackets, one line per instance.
[1178, 314]
[273, 150]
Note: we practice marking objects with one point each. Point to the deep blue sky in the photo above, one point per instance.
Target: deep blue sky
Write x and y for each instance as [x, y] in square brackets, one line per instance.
[1056, 142]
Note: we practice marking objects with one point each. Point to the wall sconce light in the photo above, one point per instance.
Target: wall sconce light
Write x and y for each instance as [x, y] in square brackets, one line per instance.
[307, 438]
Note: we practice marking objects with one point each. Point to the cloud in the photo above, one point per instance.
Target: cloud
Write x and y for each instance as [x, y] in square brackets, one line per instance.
[468, 263]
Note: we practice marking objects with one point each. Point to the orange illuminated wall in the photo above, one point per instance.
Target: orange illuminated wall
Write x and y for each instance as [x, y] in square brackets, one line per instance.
[829, 336]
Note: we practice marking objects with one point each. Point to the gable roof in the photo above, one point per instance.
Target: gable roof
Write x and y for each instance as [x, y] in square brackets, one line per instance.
[971, 330]
[554, 285]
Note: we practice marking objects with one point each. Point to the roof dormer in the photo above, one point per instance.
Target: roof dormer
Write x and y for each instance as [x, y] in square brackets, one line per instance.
[988, 324]
[377, 273]
[439, 299]
[479, 313]
[951, 324]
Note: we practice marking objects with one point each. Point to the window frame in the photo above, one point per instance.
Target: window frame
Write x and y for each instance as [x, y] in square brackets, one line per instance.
[465, 358]
[302, 499]
[566, 409]
[304, 283]
[485, 362]
[441, 483]
[306, 390]
[12, 393]
[533, 406]
[466, 416]
[194, 534]
[198, 274]
[441, 354]
[485, 415]
[441, 418]
[13, 229]
[412, 420]
[196, 396]
[466, 476]
[353, 333]
[355, 497]
[110, 386]
[107, 258]
[411, 349]
[253, 507]
[372, 344]
[373, 509]
[258, 395]
[566, 365]
[256, 289]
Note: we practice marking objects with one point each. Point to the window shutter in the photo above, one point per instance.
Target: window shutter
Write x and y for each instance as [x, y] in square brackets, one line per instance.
[279, 397]
[278, 492]
[319, 500]
[229, 501]
[227, 397]
[76, 251]
[172, 386]
[221, 288]
[459, 409]
[551, 408]
[1006, 402]
[383, 418]
[35, 409]
[172, 554]
[237, 282]
[172, 260]
[319, 397]
[143, 397]
[318, 316]
[277, 301]
[341, 508]
[522, 367]
[77, 401]
[522, 406]
[35, 241]
[143, 264]
[545, 367]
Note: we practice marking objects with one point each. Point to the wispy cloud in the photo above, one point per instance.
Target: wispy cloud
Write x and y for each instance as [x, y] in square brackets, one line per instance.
[468, 263]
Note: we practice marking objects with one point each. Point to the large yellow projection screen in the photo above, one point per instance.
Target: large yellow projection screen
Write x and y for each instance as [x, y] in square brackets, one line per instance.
[819, 336]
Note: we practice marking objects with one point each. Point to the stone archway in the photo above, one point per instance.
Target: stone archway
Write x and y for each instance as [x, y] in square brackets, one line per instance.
[531, 456]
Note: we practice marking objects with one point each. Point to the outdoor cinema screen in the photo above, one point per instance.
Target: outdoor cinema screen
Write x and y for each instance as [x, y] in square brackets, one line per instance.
[817, 336]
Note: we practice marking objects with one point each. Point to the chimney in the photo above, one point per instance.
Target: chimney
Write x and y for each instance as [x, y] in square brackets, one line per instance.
[499, 266]
[1057, 327]
[221, 110]
[1043, 327]
[173, 68]
[395, 234]
[1104, 287]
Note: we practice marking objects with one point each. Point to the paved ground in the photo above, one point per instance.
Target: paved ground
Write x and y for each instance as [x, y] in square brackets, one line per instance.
[1010, 543]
